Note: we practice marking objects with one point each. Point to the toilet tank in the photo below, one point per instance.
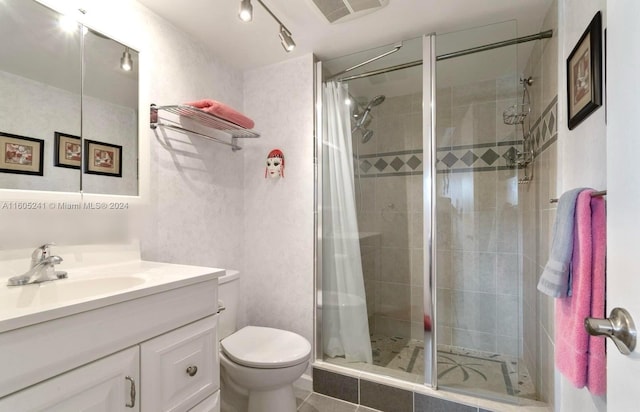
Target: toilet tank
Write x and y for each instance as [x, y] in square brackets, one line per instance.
[228, 289]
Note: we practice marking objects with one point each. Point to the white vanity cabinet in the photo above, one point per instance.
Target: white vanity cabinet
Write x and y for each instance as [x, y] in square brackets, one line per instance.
[146, 350]
[180, 372]
[107, 384]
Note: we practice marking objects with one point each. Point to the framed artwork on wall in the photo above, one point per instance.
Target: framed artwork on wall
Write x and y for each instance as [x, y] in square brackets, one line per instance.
[102, 158]
[584, 74]
[67, 151]
[20, 154]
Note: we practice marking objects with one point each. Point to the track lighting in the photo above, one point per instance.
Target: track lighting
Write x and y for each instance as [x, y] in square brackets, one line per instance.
[246, 10]
[286, 40]
[126, 62]
[246, 14]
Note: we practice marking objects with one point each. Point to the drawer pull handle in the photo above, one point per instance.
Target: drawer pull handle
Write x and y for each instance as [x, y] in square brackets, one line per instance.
[192, 370]
[132, 394]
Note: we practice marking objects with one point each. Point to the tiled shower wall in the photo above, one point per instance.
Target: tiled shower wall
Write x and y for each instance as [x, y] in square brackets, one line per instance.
[479, 272]
[477, 218]
[538, 212]
[389, 201]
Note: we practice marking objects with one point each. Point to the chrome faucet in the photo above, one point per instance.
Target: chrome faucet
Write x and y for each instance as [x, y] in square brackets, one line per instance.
[40, 254]
[42, 268]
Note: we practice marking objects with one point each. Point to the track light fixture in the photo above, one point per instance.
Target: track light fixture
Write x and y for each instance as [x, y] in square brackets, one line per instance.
[246, 14]
[286, 39]
[126, 62]
[246, 10]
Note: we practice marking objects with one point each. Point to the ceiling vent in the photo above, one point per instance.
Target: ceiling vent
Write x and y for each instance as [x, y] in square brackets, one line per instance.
[338, 11]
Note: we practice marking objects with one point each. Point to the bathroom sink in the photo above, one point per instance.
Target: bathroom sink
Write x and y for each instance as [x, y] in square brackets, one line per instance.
[93, 287]
[66, 290]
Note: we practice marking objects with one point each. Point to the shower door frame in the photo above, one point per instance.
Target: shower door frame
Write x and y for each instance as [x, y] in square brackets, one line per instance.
[429, 209]
[428, 152]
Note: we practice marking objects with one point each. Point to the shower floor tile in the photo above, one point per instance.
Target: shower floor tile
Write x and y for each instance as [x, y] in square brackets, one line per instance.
[458, 368]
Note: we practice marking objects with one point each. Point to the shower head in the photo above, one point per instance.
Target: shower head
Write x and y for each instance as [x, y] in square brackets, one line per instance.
[372, 103]
[376, 101]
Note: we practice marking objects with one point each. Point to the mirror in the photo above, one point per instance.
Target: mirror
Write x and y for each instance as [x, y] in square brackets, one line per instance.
[109, 117]
[52, 117]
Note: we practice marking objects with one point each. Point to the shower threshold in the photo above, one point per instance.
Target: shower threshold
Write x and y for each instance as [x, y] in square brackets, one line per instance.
[459, 369]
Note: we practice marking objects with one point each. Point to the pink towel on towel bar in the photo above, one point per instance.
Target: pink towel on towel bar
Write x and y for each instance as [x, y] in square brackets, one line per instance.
[223, 111]
[580, 362]
[597, 365]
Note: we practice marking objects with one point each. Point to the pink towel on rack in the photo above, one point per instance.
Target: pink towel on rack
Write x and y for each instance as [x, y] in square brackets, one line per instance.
[223, 111]
[579, 357]
[597, 365]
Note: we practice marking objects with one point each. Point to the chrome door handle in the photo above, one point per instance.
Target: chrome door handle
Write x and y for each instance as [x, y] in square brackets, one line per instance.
[619, 327]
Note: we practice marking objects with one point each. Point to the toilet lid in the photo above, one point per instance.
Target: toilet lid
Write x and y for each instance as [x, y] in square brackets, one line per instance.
[260, 347]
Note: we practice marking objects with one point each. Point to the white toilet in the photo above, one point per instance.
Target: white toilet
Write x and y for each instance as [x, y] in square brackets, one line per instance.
[258, 365]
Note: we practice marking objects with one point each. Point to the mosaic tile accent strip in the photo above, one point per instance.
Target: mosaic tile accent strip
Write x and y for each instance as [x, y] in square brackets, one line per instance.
[408, 162]
[482, 157]
[467, 158]
[545, 129]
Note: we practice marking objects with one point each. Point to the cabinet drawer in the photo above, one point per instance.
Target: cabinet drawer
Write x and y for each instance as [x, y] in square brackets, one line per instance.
[180, 368]
[211, 404]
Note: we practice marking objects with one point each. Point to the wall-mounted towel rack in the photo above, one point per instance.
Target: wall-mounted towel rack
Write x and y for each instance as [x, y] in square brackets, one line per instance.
[594, 194]
[203, 118]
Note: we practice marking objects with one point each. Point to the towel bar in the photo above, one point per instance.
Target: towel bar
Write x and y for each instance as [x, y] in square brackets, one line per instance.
[594, 194]
[203, 118]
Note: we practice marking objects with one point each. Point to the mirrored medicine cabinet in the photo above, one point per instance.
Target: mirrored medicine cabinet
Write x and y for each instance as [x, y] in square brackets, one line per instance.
[68, 109]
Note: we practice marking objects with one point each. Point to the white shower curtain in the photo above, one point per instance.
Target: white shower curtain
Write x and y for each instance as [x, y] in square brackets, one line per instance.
[344, 315]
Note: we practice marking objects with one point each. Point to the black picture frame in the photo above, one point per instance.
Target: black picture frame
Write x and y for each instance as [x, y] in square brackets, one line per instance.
[102, 158]
[66, 151]
[584, 74]
[21, 154]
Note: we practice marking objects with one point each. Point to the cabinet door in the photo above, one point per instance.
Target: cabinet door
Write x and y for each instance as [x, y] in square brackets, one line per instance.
[180, 368]
[211, 404]
[105, 385]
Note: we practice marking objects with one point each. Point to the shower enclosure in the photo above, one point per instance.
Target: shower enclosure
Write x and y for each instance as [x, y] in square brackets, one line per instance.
[419, 223]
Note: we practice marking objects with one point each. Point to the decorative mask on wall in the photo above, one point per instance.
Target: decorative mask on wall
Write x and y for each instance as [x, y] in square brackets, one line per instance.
[275, 164]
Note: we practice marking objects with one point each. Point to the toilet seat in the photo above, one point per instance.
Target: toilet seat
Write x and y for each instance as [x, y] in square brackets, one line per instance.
[266, 348]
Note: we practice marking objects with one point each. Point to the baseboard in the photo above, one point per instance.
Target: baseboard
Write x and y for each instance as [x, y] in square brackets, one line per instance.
[305, 383]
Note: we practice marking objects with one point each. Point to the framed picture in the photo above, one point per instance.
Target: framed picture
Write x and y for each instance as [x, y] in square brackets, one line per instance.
[23, 155]
[584, 74]
[102, 158]
[68, 151]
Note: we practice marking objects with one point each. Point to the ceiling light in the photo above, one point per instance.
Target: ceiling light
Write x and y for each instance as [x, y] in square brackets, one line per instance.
[246, 10]
[285, 38]
[67, 23]
[126, 62]
[246, 14]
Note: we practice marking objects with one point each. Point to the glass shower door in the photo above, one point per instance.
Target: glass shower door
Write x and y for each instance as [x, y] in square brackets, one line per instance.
[382, 139]
[478, 236]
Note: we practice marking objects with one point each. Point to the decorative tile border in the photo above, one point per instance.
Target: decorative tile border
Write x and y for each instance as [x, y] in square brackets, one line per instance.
[476, 158]
[404, 163]
[466, 158]
[545, 129]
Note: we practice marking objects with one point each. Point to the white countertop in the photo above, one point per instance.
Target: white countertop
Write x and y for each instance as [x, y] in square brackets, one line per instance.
[94, 286]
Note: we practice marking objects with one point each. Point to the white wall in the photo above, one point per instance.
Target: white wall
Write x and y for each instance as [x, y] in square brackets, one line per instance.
[278, 213]
[581, 159]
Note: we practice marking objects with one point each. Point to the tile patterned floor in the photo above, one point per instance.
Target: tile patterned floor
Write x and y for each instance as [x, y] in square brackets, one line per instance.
[404, 359]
